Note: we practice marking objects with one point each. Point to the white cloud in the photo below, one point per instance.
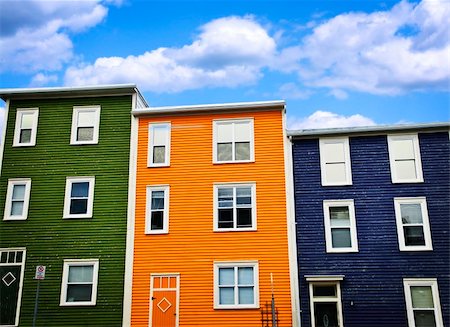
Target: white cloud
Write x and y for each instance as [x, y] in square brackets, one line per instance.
[326, 119]
[42, 79]
[35, 35]
[387, 52]
[292, 91]
[228, 52]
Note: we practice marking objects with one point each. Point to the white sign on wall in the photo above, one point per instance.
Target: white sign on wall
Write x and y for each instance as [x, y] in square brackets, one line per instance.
[40, 272]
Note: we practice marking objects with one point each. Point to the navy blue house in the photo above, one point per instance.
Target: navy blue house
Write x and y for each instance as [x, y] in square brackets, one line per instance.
[373, 225]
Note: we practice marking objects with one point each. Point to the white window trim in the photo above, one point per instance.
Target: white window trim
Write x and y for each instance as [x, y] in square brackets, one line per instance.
[353, 232]
[348, 167]
[216, 207]
[90, 205]
[426, 224]
[229, 264]
[432, 282]
[19, 113]
[417, 158]
[65, 277]
[166, 190]
[73, 135]
[9, 194]
[337, 299]
[252, 140]
[166, 162]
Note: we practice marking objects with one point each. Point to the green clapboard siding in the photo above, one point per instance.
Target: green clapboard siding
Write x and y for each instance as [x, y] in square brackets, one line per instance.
[48, 238]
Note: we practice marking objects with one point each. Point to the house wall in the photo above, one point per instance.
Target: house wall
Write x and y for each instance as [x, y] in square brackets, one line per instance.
[191, 246]
[48, 238]
[374, 275]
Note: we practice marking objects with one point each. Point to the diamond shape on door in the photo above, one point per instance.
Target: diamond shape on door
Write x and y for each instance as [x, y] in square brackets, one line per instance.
[164, 305]
[8, 279]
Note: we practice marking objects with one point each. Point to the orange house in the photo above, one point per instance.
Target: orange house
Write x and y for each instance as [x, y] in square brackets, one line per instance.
[212, 242]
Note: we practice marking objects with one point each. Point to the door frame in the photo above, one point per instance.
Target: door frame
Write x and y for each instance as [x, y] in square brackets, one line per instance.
[177, 295]
[22, 273]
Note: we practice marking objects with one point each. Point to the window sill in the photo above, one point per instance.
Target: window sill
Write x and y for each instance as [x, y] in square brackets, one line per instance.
[20, 145]
[421, 249]
[233, 162]
[14, 219]
[156, 233]
[84, 143]
[77, 304]
[408, 181]
[224, 230]
[342, 251]
[236, 307]
[77, 216]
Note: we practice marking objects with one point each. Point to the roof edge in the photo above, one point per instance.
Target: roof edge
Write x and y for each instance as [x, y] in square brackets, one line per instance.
[380, 129]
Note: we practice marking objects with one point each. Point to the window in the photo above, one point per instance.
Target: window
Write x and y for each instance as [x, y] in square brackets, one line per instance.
[233, 141]
[235, 207]
[335, 161]
[79, 282]
[79, 197]
[159, 145]
[413, 227]
[85, 125]
[17, 199]
[422, 302]
[26, 127]
[340, 226]
[157, 215]
[236, 285]
[404, 155]
[325, 303]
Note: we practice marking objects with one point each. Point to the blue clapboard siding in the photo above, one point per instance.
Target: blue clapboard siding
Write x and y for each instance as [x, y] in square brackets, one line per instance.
[373, 276]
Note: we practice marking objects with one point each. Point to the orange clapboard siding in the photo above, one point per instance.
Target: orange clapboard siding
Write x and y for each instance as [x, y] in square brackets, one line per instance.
[191, 247]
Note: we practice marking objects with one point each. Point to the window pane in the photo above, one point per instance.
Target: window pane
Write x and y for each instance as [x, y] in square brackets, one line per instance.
[25, 136]
[4, 257]
[86, 118]
[225, 218]
[334, 152]
[244, 195]
[326, 314]
[81, 274]
[403, 149]
[226, 276]
[424, 318]
[16, 208]
[335, 173]
[19, 256]
[411, 213]
[245, 275]
[159, 154]
[242, 132]
[80, 190]
[85, 133]
[246, 295]
[18, 192]
[157, 200]
[226, 295]
[422, 297]
[160, 134]
[78, 206]
[79, 293]
[244, 217]
[224, 152]
[242, 151]
[225, 133]
[339, 216]
[324, 290]
[225, 196]
[27, 121]
[406, 169]
[414, 235]
[157, 222]
[341, 238]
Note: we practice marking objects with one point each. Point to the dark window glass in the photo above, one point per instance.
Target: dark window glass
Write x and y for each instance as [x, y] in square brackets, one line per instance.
[78, 206]
[326, 314]
[225, 218]
[19, 256]
[325, 290]
[79, 293]
[424, 318]
[80, 190]
[157, 220]
[4, 257]
[244, 217]
[414, 235]
[341, 237]
[25, 136]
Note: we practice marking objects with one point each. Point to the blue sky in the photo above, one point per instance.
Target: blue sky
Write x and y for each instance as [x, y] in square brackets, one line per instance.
[336, 63]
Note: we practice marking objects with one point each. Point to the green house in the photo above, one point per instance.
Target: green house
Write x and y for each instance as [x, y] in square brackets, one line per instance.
[64, 190]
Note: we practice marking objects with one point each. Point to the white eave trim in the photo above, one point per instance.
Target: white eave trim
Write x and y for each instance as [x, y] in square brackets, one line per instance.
[210, 107]
[324, 278]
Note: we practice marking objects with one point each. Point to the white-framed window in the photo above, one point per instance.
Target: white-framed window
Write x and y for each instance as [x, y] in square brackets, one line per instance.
[17, 199]
[79, 282]
[235, 207]
[79, 197]
[157, 210]
[26, 127]
[404, 157]
[422, 302]
[335, 163]
[413, 225]
[236, 285]
[325, 302]
[233, 141]
[340, 226]
[159, 145]
[85, 125]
